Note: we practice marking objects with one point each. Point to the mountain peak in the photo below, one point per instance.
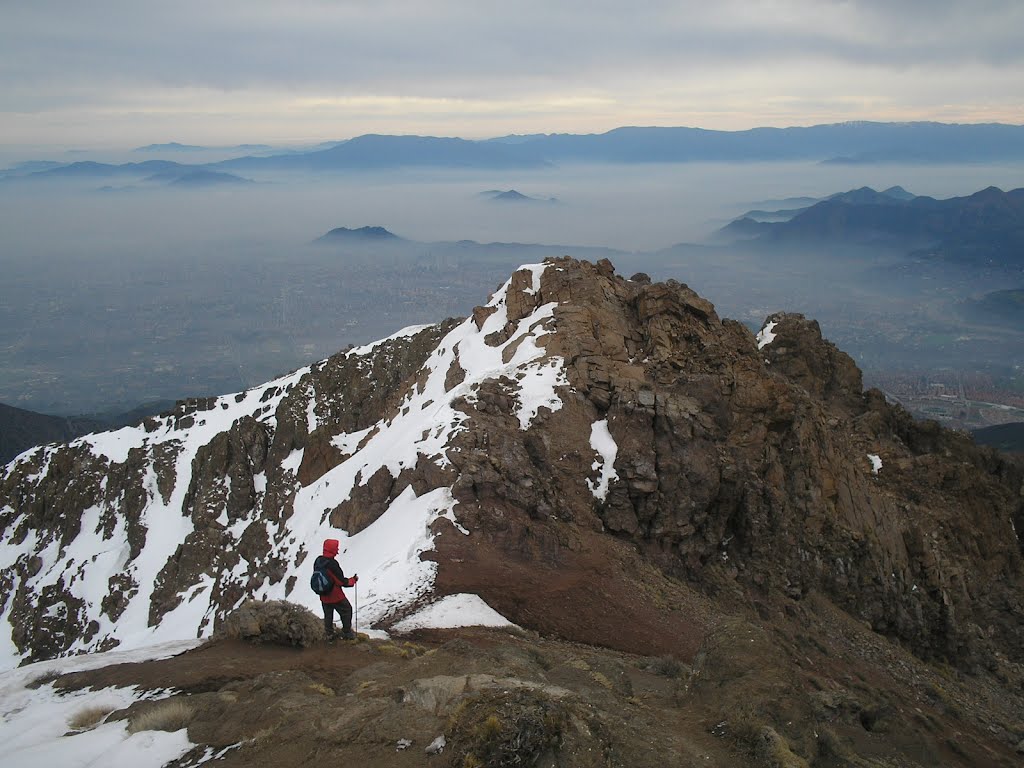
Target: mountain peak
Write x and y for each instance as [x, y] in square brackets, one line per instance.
[579, 440]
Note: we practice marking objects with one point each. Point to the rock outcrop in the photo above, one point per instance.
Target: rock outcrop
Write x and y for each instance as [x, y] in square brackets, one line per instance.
[584, 453]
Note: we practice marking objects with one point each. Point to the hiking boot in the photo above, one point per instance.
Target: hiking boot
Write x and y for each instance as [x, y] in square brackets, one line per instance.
[331, 637]
[348, 634]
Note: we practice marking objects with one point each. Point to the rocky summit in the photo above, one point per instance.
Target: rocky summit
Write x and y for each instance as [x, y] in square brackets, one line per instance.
[631, 480]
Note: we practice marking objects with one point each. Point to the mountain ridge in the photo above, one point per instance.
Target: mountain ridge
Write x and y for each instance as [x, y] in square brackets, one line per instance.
[976, 228]
[277, 427]
[862, 142]
[598, 459]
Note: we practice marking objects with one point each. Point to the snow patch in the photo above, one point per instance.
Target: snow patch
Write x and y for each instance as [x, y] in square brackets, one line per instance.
[603, 443]
[311, 419]
[765, 336]
[876, 462]
[33, 722]
[114, 446]
[405, 333]
[293, 461]
[348, 442]
[536, 270]
[462, 610]
[537, 390]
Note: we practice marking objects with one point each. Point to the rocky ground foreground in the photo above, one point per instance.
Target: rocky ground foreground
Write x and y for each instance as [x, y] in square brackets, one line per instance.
[810, 687]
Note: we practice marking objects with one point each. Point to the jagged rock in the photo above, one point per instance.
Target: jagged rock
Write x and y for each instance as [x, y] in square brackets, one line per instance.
[740, 468]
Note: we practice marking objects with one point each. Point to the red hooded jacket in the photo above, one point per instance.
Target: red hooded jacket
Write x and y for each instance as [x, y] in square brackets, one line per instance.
[330, 565]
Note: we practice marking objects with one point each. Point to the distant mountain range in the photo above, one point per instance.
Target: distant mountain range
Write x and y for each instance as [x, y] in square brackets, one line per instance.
[857, 142]
[848, 142]
[985, 227]
[91, 169]
[376, 152]
[159, 171]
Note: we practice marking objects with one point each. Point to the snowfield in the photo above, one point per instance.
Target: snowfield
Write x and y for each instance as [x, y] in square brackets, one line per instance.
[386, 554]
[35, 723]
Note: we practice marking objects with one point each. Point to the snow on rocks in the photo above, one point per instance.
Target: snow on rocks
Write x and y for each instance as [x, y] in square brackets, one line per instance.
[876, 462]
[404, 333]
[138, 552]
[766, 336]
[604, 445]
[422, 429]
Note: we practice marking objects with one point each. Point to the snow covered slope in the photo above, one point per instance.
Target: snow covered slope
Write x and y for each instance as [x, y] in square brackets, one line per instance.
[577, 440]
[163, 527]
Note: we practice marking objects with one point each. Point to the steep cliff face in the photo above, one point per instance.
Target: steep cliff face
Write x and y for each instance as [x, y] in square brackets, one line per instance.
[583, 453]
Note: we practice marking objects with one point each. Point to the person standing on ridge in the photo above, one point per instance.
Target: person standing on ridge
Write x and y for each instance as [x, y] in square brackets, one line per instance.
[335, 600]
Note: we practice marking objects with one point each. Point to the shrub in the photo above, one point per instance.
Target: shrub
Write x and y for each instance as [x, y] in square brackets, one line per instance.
[667, 666]
[831, 747]
[277, 622]
[500, 729]
[164, 715]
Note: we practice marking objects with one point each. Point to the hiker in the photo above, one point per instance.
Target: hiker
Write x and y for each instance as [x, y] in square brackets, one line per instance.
[335, 600]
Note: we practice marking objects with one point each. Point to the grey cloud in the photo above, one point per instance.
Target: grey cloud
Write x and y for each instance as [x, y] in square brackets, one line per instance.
[106, 63]
[451, 48]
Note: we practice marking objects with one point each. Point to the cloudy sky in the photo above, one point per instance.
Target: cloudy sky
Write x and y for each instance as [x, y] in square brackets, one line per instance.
[125, 72]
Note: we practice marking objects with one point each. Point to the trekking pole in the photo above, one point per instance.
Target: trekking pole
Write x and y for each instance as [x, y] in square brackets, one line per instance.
[357, 607]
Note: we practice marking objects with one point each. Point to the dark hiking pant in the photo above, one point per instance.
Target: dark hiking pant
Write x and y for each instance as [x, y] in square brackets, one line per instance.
[344, 609]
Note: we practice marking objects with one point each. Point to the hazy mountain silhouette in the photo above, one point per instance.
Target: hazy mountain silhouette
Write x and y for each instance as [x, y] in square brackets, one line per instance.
[21, 430]
[92, 169]
[514, 196]
[361, 234]
[377, 151]
[843, 142]
[978, 228]
[208, 179]
[1004, 308]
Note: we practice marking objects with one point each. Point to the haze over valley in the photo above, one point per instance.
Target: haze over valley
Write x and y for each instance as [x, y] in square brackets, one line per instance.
[127, 290]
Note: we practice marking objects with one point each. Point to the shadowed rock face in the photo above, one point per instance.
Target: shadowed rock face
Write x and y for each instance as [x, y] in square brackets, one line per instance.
[742, 475]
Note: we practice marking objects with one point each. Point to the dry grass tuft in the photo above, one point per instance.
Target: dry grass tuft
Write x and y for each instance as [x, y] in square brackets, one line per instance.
[404, 651]
[89, 717]
[166, 715]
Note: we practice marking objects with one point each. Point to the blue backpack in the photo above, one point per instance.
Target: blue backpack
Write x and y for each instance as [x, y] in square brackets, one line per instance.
[321, 582]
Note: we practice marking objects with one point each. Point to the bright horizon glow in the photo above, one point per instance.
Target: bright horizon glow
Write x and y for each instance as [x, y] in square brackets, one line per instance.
[338, 118]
